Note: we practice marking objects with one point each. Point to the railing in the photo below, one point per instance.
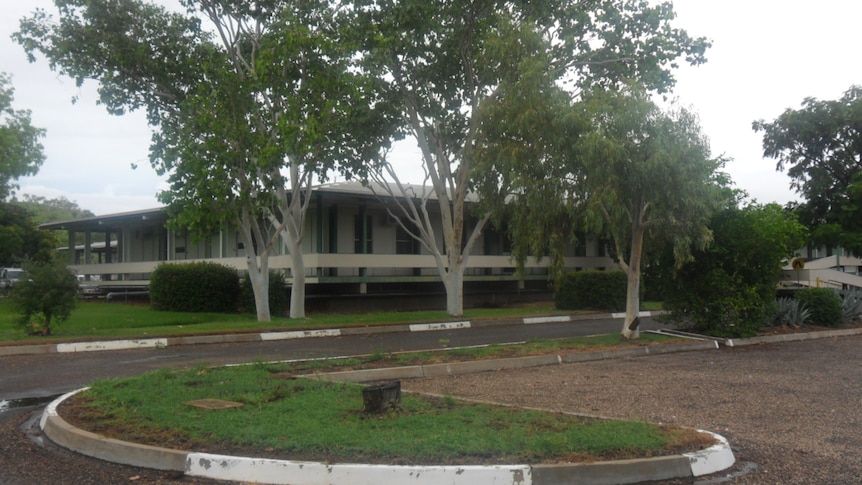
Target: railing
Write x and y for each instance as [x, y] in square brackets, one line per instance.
[378, 267]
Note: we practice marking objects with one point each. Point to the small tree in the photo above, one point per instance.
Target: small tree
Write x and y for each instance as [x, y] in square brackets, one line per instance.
[649, 177]
[47, 294]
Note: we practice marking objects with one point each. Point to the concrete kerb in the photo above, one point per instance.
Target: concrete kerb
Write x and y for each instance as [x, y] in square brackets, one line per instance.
[278, 472]
[472, 367]
[792, 337]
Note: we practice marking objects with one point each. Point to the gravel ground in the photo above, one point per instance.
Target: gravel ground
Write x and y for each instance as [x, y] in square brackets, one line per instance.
[790, 411]
[27, 459]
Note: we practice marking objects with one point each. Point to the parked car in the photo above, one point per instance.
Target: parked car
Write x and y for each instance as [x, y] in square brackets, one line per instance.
[89, 287]
[9, 277]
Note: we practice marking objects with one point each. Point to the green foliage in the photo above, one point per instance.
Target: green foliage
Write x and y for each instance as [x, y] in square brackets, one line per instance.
[279, 294]
[635, 153]
[20, 151]
[595, 290]
[820, 147]
[473, 83]
[252, 103]
[824, 303]
[20, 239]
[728, 288]
[47, 296]
[194, 287]
[790, 312]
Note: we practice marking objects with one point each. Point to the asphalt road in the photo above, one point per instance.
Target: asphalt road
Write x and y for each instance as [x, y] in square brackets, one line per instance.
[50, 374]
[26, 458]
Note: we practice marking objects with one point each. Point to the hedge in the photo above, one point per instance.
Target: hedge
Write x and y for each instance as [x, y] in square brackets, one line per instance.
[824, 304]
[592, 290]
[194, 287]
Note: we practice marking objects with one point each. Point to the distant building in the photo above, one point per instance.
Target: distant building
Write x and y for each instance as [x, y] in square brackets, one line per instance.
[823, 268]
[341, 268]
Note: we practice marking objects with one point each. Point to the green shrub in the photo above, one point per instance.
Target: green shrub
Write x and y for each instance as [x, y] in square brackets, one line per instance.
[279, 295]
[593, 290]
[47, 295]
[194, 287]
[727, 289]
[824, 303]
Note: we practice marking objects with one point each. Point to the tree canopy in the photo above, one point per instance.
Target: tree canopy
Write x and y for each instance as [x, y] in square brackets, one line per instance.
[820, 147]
[20, 239]
[625, 169]
[20, 150]
[455, 66]
[249, 101]
[649, 176]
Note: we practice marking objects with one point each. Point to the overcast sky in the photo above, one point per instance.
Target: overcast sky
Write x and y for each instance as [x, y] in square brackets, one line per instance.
[767, 56]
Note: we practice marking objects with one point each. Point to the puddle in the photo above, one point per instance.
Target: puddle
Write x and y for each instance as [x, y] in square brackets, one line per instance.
[25, 402]
[740, 471]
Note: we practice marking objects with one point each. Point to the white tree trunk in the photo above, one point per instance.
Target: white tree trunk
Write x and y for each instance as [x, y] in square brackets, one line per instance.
[453, 281]
[258, 275]
[297, 288]
[633, 283]
[257, 265]
[631, 323]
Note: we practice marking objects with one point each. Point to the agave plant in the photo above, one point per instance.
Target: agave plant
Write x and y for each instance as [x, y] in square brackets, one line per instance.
[851, 306]
[790, 313]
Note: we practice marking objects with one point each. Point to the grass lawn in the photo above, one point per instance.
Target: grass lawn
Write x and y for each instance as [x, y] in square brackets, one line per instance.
[100, 320]
[293, 418]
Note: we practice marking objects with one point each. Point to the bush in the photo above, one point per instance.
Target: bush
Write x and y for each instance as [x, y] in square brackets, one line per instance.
[48, 294]
[824, 303]
[593, 290]
[194, 287]
[728, 288]
[279, 295]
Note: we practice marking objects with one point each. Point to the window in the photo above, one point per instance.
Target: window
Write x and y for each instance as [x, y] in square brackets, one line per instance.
[404, 242]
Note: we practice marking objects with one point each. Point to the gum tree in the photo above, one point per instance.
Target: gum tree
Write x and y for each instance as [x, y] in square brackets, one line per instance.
[249, 101]
[648, 175]
[449, 63]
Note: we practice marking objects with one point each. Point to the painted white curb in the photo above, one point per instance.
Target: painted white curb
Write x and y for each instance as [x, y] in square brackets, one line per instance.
[51, 408]
[560, 318]
[713, 459]
[428, 327]
[278, 472]
[113, 345]
[300, 334]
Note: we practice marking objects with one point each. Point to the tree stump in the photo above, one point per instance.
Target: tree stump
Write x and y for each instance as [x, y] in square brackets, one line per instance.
[381, 398]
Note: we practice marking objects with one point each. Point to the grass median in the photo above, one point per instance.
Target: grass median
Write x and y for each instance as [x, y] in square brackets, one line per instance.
[284, 416]
[101, 320]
